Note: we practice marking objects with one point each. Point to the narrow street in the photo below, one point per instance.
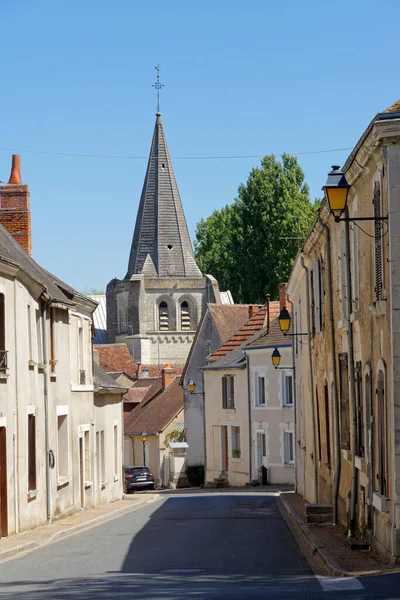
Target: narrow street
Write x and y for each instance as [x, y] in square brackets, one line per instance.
[184, 546]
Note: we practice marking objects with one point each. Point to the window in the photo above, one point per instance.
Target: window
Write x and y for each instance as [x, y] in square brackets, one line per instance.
[327, 428]
[381, 436]
[344, 401]
[360, 445]
[287, 386]
[52, 342]
[235, 441]
[163, 316]
[81, 367]
[343, 276]
[87, 455]
[228, 392]
[185, 316]
[378, 242]
[319, 425]
[260, 390]
[62, 446]
[102, 457]
[288, 451]
[30, 351]
[31, 452]
[39, 337]
[116, 470]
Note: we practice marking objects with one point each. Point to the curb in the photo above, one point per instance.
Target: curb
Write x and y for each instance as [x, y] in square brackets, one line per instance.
[320, 553]
[58, 535]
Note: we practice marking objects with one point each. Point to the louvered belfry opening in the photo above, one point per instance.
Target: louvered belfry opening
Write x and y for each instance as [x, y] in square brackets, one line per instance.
[163, 316]
[378, 242]
[185, 316]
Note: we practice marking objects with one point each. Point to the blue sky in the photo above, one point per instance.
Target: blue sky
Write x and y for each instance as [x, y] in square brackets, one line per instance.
[247, 78]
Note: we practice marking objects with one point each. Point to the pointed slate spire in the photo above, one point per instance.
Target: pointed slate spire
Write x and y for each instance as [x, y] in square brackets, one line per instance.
[161, 244]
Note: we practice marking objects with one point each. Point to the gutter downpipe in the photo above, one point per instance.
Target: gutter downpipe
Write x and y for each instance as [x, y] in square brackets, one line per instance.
[249, 408]
[314, 424]
[294, 393]
[353, 428]
[16, 420]
[338, 464]
[46, 409]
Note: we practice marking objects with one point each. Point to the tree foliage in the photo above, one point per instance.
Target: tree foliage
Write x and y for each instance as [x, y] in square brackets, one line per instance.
[249, 246]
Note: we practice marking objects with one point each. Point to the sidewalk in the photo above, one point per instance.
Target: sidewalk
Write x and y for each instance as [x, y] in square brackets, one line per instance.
[328, 543]
[28, 540]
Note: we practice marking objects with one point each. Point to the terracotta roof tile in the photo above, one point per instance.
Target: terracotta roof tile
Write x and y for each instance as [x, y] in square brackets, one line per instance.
[116, 357]
[251, 327]
[274, 338]
[228, 318]
[394, 108]
[158, 408]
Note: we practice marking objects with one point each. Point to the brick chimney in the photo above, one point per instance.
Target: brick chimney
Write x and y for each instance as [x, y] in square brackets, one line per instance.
[282, 295]
[167, 375]
[253, 308]
[15, 215]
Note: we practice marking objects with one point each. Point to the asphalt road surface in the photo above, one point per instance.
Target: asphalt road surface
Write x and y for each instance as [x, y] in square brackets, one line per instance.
[190, 546]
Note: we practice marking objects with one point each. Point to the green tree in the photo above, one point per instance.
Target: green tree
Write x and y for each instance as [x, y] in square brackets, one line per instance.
[250, 245]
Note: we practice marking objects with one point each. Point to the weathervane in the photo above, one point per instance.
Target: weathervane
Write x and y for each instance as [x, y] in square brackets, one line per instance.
[157, 85]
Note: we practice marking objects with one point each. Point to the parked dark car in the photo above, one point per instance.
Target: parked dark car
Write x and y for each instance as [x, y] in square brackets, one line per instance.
[138, 478]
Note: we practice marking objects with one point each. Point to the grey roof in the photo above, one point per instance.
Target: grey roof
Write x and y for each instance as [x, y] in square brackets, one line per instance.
[233, 360]
[56, 289]
[100, 319]
[103, 381]
[161, 244]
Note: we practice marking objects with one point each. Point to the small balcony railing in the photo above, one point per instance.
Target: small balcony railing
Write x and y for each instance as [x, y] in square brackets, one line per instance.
[3, 360]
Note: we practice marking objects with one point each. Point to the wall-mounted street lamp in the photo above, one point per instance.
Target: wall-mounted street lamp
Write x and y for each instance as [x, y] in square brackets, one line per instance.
[336, 192]
[191, 386]
[284, 321]
[276, 360]
[143, 437]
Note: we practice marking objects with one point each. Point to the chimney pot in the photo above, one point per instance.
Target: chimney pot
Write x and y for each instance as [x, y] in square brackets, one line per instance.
[167, 375]
[282, 295]
[15, 176]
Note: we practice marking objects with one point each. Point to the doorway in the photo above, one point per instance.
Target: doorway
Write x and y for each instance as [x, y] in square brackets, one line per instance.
[3, 484]
[224, 448]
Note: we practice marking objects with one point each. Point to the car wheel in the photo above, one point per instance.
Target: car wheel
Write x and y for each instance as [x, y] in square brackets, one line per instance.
[153, 486]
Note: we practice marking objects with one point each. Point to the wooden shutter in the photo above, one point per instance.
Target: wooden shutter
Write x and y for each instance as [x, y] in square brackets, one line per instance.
[360, 450]
[312, 301]
[378, 242]
[327, 427]
[321, 293]
[381, 432]
[316, 295]
[232, 392]
[32, 452]
[224, 392]
[344, 401]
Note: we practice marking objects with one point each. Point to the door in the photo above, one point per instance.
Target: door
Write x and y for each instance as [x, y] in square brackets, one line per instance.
[224, 448]
[261, 451]
[3, 484]
[81, 471]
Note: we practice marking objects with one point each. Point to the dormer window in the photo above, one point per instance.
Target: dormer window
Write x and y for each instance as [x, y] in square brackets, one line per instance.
[185, 316]
[163, 315]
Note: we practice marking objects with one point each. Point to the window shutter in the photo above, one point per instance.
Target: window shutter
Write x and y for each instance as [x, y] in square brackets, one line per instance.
[224, 394]
[232, 389]
[312, 301]
[316, 294]
[31, 452]
[344, 401]
[378, 242]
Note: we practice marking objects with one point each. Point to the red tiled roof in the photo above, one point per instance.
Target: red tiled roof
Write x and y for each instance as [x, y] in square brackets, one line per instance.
[251, 327]
[158, 408]
[394, 108]
[228, 318]
[115, 357]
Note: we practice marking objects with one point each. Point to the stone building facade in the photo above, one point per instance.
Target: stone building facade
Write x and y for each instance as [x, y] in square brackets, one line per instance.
[156, 308]
[345, 289]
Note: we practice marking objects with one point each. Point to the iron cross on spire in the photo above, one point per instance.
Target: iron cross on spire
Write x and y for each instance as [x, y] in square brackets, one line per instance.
[157, 85]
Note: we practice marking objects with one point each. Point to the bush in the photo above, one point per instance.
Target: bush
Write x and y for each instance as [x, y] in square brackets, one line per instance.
[195, 474]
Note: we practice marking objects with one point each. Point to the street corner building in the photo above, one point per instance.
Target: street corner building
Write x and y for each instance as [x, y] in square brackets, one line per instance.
[60, 425]
[345, 287]
[248, 405]
[156, 308]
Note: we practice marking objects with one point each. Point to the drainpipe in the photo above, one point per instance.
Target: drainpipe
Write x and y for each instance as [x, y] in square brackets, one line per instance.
[294, 394]
[353, 429]
[314, 423]
[46, 409]
[336, 476]
[250, 428]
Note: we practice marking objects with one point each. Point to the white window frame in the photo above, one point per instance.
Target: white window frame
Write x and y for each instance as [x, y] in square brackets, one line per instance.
[284, 383]
[116, 426]
[258, 377]
[31, 409]
[232, 449]
[61, 411]
[285, 433]
[257, 372]
[82, 429]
